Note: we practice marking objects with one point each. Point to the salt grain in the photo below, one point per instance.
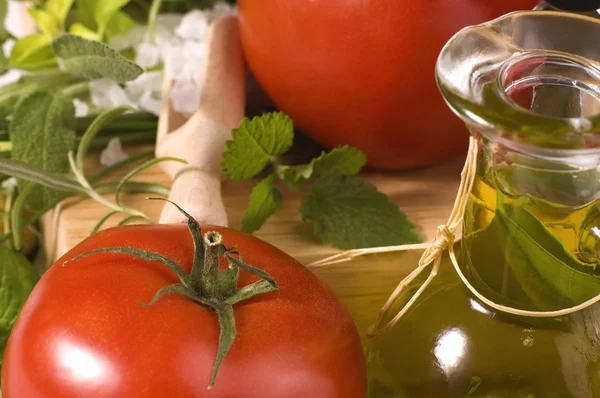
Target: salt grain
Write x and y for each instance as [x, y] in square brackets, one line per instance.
[194, 26]
[10, 77]
[9, 184]
[107, 94]
[146, 81]
[113, 153]
[81, 108]
[147, 56]
[150, 101]
[185, 96]
[7, 47]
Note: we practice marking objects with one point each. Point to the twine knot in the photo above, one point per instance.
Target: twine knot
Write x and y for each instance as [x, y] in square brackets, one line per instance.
[443, 238]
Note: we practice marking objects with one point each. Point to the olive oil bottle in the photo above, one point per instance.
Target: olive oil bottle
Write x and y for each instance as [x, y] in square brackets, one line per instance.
[531, 227]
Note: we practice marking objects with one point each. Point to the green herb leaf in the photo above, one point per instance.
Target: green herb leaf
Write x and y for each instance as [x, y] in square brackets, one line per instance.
[32, 52]
[17, 279]
[42, 133]
[530, 244]
[4, 65]
[96, 14]
[3, 13]
[255, 142]
[85, 13]
[79, 29]
[350, 213]
[264, 201]
[46, 22]
[93, 60]
[346, 160]
[105, 10]
[119, 25]
[59, 9]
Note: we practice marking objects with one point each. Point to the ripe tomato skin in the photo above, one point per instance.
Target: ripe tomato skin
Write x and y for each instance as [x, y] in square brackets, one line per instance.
[82, 332]
[361, 73]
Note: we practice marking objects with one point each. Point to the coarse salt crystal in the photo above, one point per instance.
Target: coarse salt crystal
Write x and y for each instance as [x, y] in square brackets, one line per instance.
[9, 183]
[147, 55]
[113, 153]
[194, 26]
[81, 108]
[150, 102]
[7, 47]
[146, 81]
[185, 96]
[10, 77]
[106, 94]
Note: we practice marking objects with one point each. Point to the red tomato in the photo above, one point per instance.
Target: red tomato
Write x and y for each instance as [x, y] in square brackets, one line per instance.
[362, 72]
[82, 332]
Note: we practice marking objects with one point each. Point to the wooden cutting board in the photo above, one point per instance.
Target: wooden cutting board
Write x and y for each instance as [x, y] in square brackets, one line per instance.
[363, 284]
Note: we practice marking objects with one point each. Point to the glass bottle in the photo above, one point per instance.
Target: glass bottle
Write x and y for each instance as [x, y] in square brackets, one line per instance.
[585, 7]
[528, 87]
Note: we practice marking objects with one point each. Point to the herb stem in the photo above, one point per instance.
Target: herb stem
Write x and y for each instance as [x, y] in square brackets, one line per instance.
[152, 15]
[75, 89]
[10, 196]
[95, 195]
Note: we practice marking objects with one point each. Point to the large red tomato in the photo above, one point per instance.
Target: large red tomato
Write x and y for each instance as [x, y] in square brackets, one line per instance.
[83, 333]
[361, 72]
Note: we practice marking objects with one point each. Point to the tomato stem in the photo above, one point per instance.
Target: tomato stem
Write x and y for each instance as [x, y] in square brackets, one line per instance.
[205, 285]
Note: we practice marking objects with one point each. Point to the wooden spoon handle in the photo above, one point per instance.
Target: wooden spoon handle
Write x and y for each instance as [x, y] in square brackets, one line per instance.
[201, 139]
[198, 193]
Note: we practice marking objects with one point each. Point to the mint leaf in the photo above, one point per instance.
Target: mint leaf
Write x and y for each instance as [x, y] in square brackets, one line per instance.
[350, 213]
[59, 9]
[93, 60]
[32, 51]
[264, 201]
[346, 160]
[42, 132]
[17, 279]
[255, 142]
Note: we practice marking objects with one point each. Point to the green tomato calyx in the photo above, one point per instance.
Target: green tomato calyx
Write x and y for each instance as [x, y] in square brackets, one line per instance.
[205, 284]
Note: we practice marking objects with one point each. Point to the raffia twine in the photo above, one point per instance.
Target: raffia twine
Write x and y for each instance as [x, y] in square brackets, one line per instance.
[444, 240]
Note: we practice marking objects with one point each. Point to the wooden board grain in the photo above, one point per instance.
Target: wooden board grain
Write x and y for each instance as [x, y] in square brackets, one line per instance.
[426, 196]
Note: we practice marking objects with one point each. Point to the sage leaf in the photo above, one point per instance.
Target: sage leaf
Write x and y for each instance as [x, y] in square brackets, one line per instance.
[32, 52]
[543, 274]
[350, 213]
[543, 252]
[17, 279]
[93, 60]
[42, 133]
